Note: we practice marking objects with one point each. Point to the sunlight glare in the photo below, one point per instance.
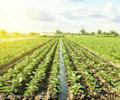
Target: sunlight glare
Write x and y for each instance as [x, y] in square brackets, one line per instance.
[11, 13]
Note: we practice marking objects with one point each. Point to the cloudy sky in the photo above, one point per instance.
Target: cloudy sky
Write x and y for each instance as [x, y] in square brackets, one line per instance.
[65, 15]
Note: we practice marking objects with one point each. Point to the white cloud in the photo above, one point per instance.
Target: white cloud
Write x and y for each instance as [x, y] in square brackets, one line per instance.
[111, 13]
[28, 14]
[37, 15]
[83, 14]
[71, 15]
[106, 14]
[108, 6]
[108, 10]
[76, 12]
[118, 10]
[116, 19]
[62, 1]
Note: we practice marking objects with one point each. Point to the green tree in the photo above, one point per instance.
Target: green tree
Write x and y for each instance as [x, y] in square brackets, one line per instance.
[92, 33]
[32, 33]
[16, 33]
[69, 33]
[87, 33]
[104, 33]
[82, 31]
[58, 32]
[107, 33]
[3, 32]
[99, 32]
[113, 33]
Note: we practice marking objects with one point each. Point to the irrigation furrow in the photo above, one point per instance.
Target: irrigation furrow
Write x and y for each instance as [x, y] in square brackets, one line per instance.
[70, 67]
[63, 93]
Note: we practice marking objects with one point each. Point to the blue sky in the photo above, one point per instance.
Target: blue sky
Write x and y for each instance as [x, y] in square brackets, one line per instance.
[65, 15]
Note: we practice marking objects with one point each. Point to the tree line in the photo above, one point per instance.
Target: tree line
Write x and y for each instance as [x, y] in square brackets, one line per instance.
[4, 33]
[58, 32]
[84, 32]
[99, 32]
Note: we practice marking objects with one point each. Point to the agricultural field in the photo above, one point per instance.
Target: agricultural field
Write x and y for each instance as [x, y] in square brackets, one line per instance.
[37, 76]
[12, 49]
[91, 77]
[107, 47]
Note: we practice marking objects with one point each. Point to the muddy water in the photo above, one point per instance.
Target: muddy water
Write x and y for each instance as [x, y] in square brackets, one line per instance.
[63, 94]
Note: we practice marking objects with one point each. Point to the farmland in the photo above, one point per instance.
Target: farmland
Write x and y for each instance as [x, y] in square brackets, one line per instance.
[108, 48]
[37, 74]
[11, 49]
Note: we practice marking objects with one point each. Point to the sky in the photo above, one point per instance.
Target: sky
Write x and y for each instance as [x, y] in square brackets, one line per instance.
[66, 15]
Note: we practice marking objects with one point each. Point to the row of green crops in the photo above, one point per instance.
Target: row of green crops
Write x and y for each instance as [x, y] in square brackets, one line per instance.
[11, 50]
[53, 86]
[16, 79]
[107, 47]
[74, 87]
[95, 79]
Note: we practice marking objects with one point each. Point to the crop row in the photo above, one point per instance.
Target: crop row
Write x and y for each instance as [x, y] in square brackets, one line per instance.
[75, 88]
[11, 50]
[53, 82]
